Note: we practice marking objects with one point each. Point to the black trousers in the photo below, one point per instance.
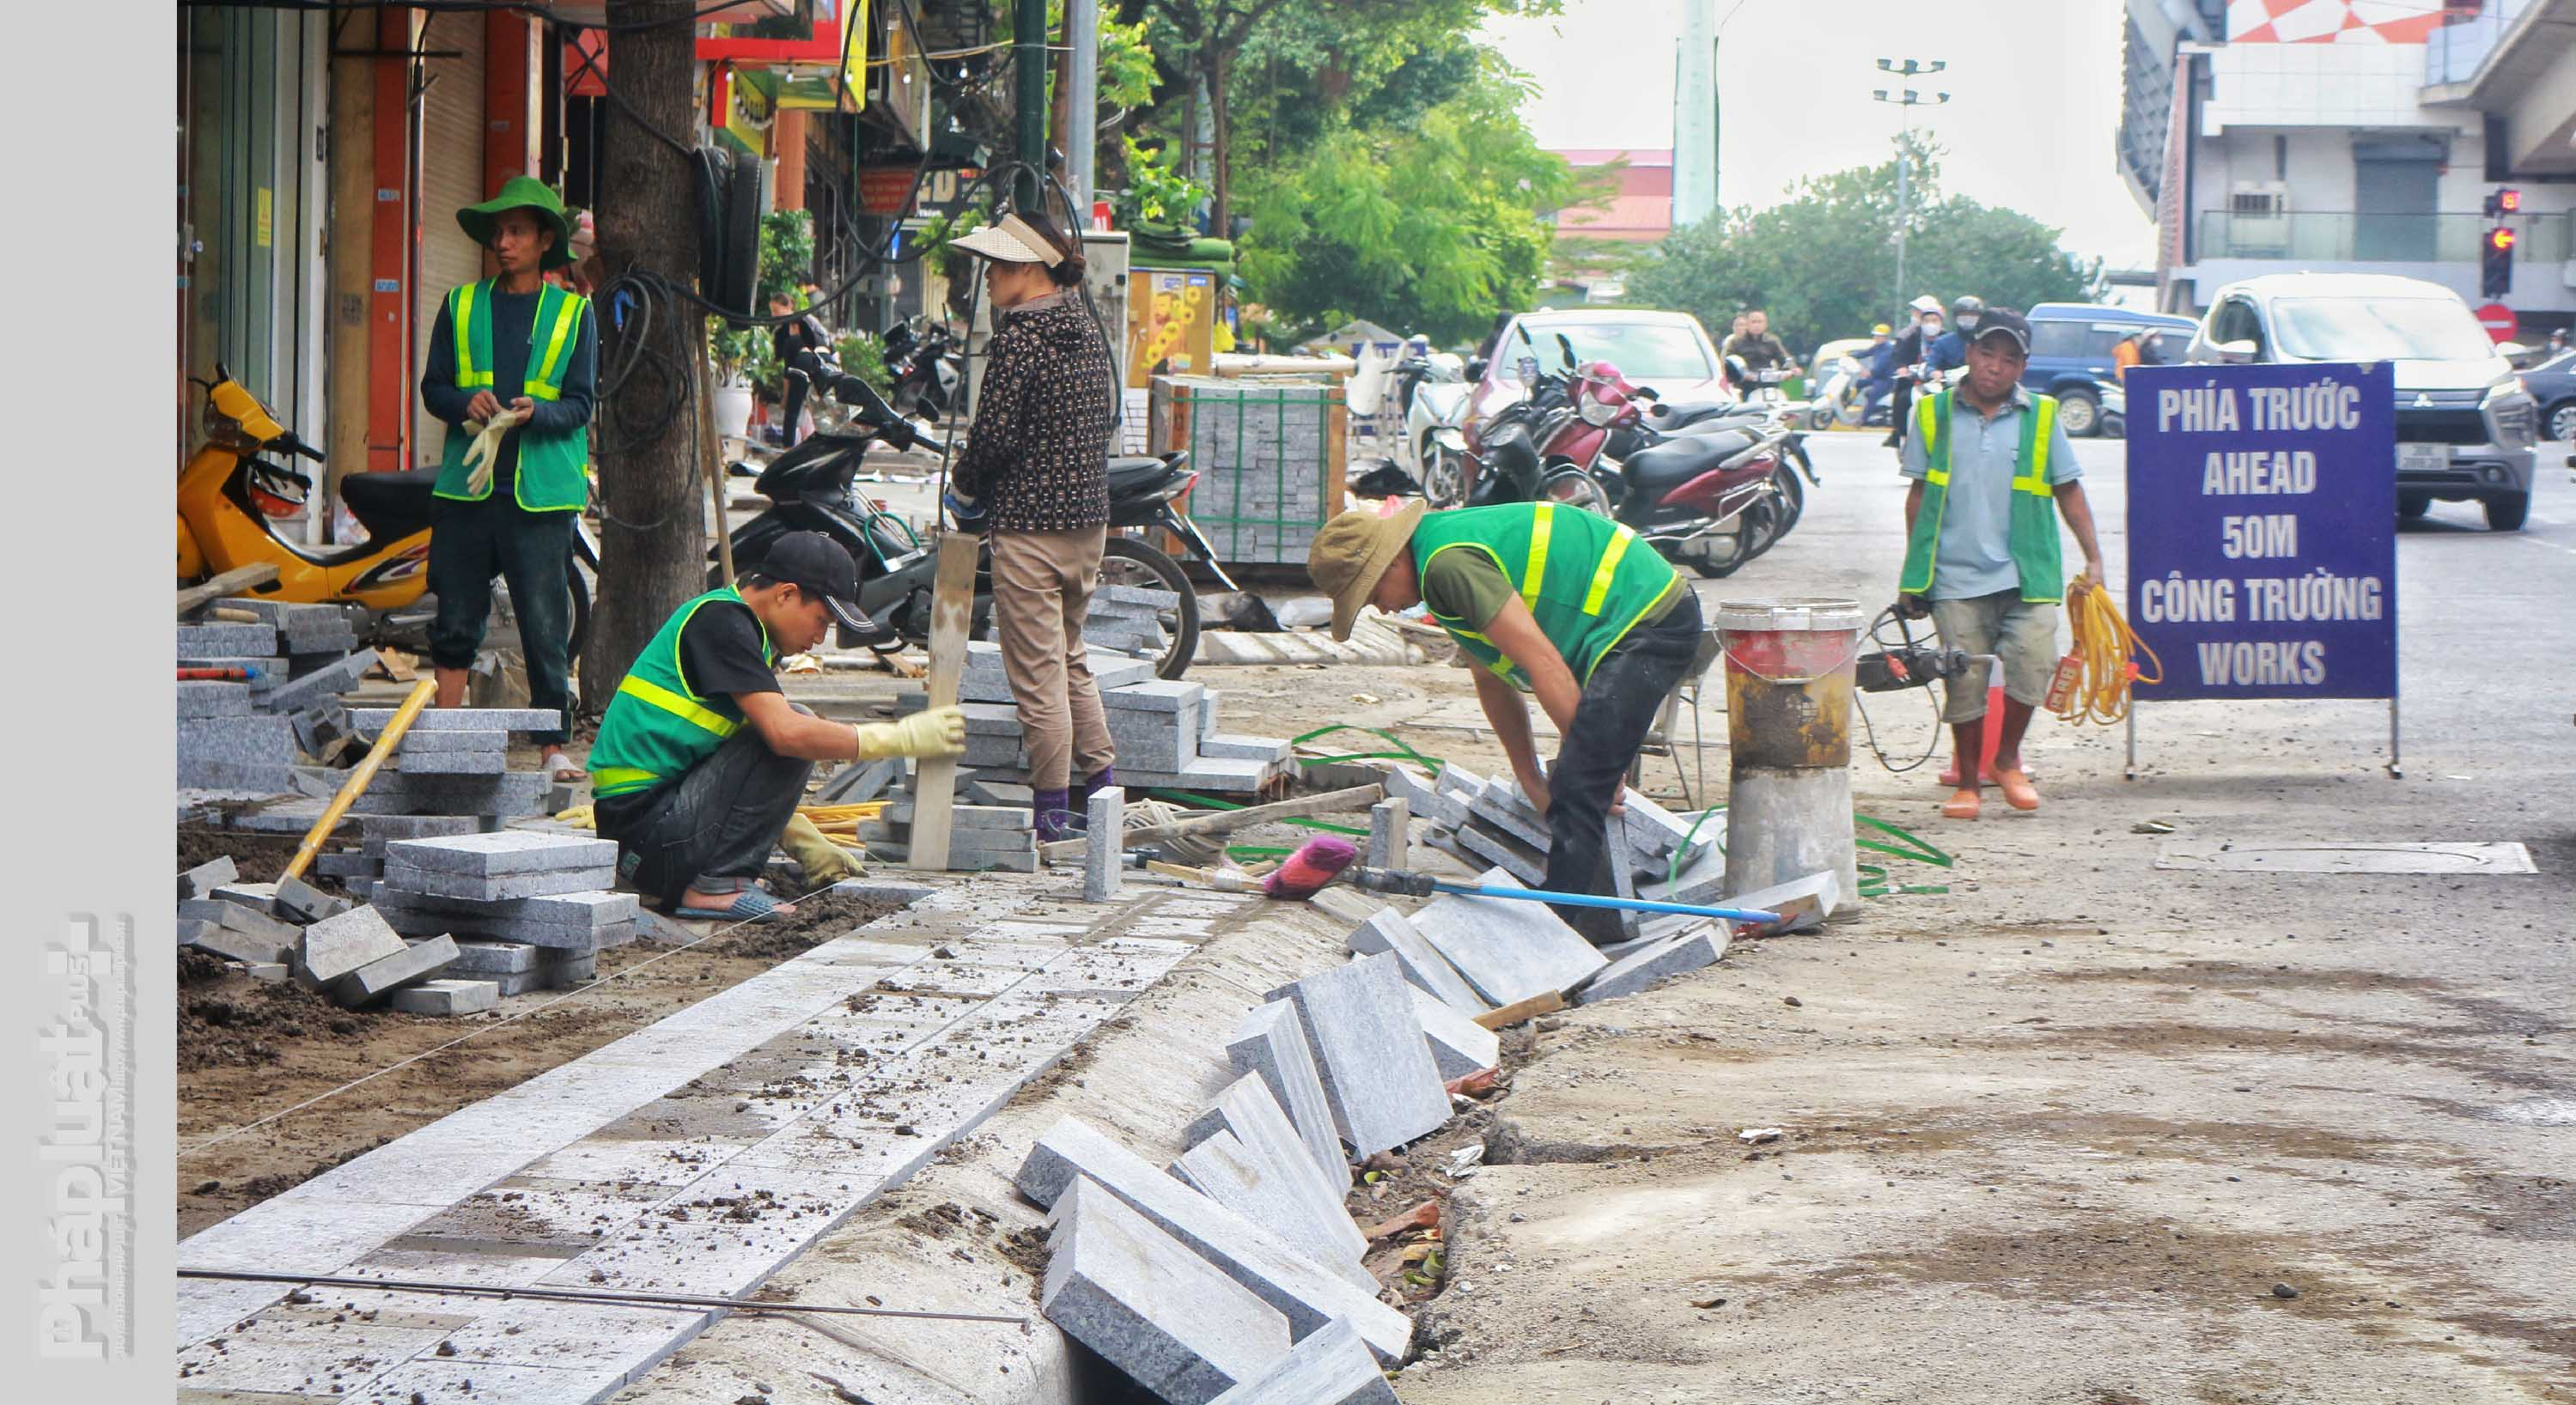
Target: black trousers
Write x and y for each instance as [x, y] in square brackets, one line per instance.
[1618, 708]
[469, 544]
[713, 828]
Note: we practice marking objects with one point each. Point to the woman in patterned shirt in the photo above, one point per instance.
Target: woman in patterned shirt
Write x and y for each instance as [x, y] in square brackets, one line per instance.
[1036, 474]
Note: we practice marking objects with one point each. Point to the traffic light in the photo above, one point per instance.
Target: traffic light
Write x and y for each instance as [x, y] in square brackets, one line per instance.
[2502, 201]
[2495, 262]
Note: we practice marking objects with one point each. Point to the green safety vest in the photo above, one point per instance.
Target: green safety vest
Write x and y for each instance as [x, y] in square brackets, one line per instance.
[2033, 534]
[1586, 579]
[553, 467]
[657, 726]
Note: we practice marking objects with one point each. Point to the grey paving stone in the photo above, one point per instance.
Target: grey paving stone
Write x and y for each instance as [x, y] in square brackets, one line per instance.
[1271, 1043]
[1459, 781]
[1423, 966]
[1802, 903]
[1001, 818]
[405, 877]
[263, 778]
[1390, 839]
[1173, 1322]
[860, 782]
[299, 901]
[1508, 949]
[234, 639]
[1657, 959]
[329, 681]
[191, 928]
[266, 671]
[202, 880]
[1234, 746]
[1459, 1045]
[243, 918]
[378, 830]
[595, 908]
[1310, 1294]
[1332, 1366]
[1278, 1199]
[1246, 1109]
[415, 961]
[1154, 695]
[258, 897]
[423, 743]
[201, 697]
[1103, 855]
[240, 741]
[1525, 864]
[510, 794]
[336, 946]
[371, 720]
[453, 763]
[412, 922]
[505, 852]
[234, 946]
[1376, 1064]
[446, 997]
[491, 958]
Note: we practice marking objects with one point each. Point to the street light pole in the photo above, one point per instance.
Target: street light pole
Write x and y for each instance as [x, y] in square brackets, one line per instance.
[1905, 105]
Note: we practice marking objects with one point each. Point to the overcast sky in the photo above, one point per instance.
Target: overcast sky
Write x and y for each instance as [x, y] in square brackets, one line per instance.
[2034, 85]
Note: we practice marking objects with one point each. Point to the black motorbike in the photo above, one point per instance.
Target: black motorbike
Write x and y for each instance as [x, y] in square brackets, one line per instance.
[810, 489]
[926, 365]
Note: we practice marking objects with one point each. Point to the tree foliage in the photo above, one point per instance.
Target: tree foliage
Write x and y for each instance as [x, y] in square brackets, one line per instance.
[1823, 261]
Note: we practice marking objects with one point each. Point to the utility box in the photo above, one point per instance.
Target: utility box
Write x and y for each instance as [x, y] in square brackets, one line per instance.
[1171, 323]
[1269, 456]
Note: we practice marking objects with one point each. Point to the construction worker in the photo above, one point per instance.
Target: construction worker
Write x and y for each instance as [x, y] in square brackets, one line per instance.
[1550, 600]
[511, 374]
[1992, 472]
[701, 760]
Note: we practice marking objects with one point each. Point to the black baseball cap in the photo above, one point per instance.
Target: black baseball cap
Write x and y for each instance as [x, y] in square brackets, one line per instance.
[818, 565]
[2006, 321]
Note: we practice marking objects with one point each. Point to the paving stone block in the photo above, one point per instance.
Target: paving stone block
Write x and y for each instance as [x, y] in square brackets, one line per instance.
[1271, 1044]
[240, 741]
[1310, 1294]
[1332, 1366]
[1525, 864]
[405, 877]
[336, 946]
[264, 778]
[990, 860]
[1234, 746]
[861, 782]
[235, 946]
[328, 681]
[1459, 1045]
[1173, 695]
[453, 763]
[1390, 838]
[299, 901]
[1203, 773]
[1278, 1198]
[1424, 967]
[508, 851]
[412, 922]
[202, 697]
[371, 720]
[258, 897]
[446, 997]
[269, 972]
[379, 830]
[1246, 1110]
[191, 928]
[201, 881]
[423, 743]
[1171, 1321]
[236, 639]
[1658, 959]
[1104, 854]
[1803, 903]
[1376, 1064]
[998, 818]
[508, 795]
[1508, 949]
[482, 958]
[1457, 780]
[595, 909]
[266, 672]
[241, 917]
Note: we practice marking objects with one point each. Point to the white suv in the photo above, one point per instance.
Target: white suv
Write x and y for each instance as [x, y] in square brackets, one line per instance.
[2467, 430]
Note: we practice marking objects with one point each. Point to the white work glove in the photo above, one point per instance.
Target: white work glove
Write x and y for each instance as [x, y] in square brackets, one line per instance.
[938, 732]
[480, 455]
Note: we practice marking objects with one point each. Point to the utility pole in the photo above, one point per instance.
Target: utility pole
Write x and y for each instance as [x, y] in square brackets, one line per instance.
[653, 545]
[1029, 97]
[1905, 105]
[1082, 112]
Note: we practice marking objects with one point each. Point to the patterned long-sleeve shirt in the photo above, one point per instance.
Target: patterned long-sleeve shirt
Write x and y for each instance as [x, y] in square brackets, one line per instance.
[1038, 450]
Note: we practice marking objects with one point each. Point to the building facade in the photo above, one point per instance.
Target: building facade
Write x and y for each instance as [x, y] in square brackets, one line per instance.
[1636, 208]
[2353, 136]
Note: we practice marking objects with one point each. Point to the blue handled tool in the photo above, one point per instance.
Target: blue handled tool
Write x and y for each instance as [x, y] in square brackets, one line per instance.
[1423, 885]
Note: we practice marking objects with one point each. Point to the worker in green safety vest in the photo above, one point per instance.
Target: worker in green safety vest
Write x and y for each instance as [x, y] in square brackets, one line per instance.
[511, 373]
[701, 760]
[1992, 473]
[1549, 600]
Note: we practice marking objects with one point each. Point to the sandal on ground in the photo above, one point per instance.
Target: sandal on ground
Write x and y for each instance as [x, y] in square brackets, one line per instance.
[1962, 806]
[2018, 791]
[748, 904]
[559, 766]
[1950, 777]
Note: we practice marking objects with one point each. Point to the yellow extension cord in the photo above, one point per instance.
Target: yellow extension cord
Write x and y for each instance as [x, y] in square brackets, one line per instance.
[2106, 652]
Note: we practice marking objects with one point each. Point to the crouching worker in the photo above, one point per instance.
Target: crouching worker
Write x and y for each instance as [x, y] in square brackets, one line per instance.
[1553, 601]
[701, 760]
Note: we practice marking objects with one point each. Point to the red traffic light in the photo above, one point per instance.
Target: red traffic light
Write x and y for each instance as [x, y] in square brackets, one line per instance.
[2500, 240]
[2509, 201]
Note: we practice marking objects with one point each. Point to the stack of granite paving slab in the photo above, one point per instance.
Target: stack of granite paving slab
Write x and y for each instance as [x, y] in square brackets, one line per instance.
[527, 910]
[454, 761]
[245, 737]
[1129, 620]
[981, 838]
[1165, 730]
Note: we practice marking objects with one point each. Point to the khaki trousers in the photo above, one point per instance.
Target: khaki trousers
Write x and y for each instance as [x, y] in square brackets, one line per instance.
[1042, 583]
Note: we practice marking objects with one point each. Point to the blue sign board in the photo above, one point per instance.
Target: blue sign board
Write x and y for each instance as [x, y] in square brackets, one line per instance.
[2262, 529]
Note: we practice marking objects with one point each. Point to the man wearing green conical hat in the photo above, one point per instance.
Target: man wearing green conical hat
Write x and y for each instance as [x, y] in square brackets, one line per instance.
[511, 374]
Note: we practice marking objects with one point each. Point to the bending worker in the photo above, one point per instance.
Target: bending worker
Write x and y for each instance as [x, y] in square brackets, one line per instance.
[511, 372]
[1992, 474]
[1553, 601]
[701, 760]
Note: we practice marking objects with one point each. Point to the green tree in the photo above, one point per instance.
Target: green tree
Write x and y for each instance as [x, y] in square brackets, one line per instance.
[1823, 261]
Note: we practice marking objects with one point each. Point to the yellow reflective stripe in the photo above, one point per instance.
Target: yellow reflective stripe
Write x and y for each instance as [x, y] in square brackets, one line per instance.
[1541, 524]
[1928, 424]
[616, 778]
[654, 694]
[2035, 479]
[550, 369]
[461, 313]
[1600, 591]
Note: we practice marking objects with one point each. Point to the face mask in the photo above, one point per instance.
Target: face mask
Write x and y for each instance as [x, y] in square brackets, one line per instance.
[1968, 323]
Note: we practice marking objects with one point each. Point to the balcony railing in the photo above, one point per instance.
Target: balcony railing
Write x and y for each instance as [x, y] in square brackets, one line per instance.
[2347, 237]
[2454, 52]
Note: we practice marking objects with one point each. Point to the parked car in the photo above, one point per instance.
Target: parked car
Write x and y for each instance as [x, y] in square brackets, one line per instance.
[2070, 351]
[1667, 351]
[2467, 430]
[2552, 385]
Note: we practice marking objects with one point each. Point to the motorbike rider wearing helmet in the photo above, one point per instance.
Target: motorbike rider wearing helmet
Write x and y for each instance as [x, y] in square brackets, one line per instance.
[1949, 351]
[1911, 345]
[1760, 349]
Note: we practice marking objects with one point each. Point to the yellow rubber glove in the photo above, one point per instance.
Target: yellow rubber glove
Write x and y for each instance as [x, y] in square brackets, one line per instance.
[823, 861]
[938, 732]
[486, 448]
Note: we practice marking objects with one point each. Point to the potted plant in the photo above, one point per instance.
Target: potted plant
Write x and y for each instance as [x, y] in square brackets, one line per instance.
[740, 355]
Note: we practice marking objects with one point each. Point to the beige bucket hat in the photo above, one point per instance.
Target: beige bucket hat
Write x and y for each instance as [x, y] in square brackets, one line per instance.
[1351, 553]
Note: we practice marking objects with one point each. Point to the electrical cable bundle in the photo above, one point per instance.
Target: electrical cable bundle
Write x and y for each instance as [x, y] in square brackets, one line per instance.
[2093, 680]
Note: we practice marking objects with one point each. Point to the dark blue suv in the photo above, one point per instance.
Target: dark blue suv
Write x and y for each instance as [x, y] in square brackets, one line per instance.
[2070, 354]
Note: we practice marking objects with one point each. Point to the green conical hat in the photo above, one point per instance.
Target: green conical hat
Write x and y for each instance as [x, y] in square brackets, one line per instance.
[522, 193]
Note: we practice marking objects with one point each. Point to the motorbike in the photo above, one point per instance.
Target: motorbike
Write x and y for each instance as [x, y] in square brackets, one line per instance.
[232, 495]
[1541, 447]
[924, 359]
[810, 489]
[1434, 391]
[1842, 398]
[1764, 404]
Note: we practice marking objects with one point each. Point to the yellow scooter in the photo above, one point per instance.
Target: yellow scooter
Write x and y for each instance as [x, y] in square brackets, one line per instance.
[230, 496]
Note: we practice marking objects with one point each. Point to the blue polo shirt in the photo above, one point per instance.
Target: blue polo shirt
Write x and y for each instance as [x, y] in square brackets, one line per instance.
[1975, 553]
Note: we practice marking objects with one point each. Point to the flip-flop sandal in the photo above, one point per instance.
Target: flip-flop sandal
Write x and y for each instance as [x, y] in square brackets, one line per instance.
[566, 770]
[2017, 789]
[749, 904]
[1961, 807]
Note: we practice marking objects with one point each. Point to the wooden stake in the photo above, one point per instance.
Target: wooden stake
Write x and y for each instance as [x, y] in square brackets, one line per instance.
[952, 615]
[356, 784]
[1543, 1003]
[232, 582]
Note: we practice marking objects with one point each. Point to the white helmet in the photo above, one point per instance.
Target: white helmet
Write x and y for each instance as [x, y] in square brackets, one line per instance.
[1925, 303]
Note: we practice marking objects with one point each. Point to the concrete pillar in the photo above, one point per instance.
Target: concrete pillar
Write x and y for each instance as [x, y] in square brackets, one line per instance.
[787, 135]
[510, 113]
[389, 248]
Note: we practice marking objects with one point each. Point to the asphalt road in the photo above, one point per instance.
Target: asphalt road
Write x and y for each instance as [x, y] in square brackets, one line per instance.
[2080, 1129]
